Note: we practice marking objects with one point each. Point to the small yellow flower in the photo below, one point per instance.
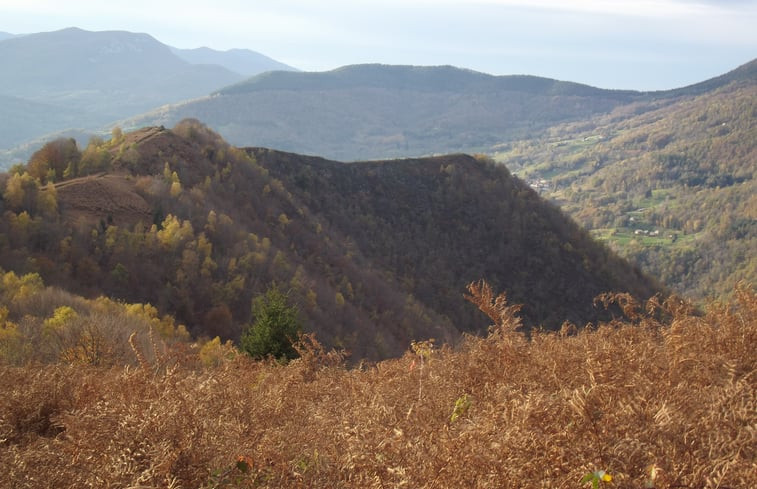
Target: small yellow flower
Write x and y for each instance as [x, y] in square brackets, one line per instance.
[596, 477]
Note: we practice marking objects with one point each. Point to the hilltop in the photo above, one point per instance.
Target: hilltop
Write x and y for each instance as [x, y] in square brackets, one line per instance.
[375, 254]
[243, 61]
[110, 70]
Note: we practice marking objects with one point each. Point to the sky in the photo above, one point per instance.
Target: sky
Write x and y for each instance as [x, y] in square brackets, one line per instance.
[626, 44]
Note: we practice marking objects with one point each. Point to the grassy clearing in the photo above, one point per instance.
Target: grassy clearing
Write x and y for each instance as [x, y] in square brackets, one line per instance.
[627, 236]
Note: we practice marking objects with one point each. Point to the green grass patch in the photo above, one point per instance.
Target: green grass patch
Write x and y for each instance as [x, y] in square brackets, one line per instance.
[626, 236]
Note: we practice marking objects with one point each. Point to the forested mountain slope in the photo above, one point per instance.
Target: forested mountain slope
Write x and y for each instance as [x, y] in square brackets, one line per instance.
[671, 188]
[375, 254]
[378, 111]
[438, 222]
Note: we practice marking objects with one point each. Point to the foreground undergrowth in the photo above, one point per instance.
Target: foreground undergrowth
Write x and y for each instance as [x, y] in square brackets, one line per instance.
[664, 398]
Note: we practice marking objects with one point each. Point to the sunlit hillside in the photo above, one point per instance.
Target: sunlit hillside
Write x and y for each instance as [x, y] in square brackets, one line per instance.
[669, 186]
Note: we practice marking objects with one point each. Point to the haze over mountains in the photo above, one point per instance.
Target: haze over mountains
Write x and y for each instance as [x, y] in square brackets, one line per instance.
[352, 113]
[75, 79]
[242, 61]
[378, 111]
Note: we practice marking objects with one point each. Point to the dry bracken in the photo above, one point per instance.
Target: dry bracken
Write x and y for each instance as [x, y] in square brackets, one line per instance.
[666, 400]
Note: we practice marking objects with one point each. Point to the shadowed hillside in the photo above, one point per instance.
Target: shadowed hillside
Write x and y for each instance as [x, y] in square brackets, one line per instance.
[439, 222]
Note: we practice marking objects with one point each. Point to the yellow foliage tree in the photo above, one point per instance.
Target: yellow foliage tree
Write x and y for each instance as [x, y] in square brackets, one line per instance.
[175, 232]
[10, 339]
[14, 287]
[214, 352]
[62, 316]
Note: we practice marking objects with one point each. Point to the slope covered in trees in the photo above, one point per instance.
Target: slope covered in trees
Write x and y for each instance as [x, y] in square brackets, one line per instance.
[439, 222]
[375, 111]
[375, 254]
[381, 111]
[670, 186]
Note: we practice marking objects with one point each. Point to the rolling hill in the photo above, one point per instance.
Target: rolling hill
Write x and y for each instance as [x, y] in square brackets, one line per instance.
[381, 111]
[384, 111]
[375, 254]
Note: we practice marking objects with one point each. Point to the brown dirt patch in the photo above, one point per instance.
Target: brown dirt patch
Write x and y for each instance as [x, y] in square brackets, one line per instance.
[111, 198]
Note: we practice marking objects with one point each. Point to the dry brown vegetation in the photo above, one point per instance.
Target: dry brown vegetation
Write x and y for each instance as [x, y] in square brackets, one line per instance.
[663, 398]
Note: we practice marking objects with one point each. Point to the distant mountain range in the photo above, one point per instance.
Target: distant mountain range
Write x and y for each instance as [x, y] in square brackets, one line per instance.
[75, 79]
[242, 61]
[380, 111]
[89, 81]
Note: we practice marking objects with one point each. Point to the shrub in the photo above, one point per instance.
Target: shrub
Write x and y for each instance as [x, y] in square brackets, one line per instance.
[275, 327]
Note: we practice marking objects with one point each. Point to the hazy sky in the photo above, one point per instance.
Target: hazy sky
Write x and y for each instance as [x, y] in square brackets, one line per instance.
[639, 44]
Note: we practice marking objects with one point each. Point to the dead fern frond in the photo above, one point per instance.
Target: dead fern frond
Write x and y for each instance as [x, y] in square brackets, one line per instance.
[505, 316]
[678, 307]
[137, 352]
[628, 305]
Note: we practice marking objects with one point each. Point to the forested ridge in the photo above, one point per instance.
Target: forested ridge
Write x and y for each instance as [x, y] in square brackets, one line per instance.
[376, 111]
[375, 254]
[441, 221]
